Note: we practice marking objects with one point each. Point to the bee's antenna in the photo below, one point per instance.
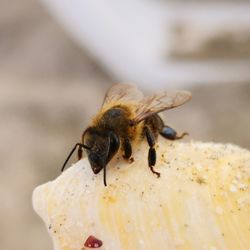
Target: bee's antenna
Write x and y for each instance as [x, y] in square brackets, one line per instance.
[72, 151]
[104, 176]
[84, 146]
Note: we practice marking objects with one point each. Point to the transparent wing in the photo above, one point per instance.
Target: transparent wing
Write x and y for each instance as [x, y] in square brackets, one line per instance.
[122, 93]
[159, 102]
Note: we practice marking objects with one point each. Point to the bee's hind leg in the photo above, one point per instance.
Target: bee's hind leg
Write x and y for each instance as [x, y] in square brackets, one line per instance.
[170, 134]
[151, 153]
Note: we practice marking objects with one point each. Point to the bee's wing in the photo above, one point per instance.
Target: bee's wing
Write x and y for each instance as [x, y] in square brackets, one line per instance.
[122, 93]
[159, 102]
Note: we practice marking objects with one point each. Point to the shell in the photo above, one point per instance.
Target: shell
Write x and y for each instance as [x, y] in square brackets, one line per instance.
[201, 201]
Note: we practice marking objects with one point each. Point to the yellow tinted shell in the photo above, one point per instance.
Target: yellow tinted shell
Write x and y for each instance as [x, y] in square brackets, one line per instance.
[201, 201]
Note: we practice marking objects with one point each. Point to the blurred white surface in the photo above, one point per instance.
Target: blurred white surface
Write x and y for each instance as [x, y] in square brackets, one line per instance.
[133, 40]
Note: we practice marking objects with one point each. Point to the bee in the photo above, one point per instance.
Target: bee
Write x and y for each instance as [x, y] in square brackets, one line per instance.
[127, 117]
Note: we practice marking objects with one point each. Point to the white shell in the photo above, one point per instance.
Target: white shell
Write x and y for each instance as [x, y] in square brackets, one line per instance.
[201, 201]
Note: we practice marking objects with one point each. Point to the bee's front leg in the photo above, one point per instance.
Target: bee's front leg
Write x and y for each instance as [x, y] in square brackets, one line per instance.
[79, 153]
[170, 133]
[151, 153]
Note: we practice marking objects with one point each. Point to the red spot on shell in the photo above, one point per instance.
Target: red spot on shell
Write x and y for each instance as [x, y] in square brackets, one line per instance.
[93, 242]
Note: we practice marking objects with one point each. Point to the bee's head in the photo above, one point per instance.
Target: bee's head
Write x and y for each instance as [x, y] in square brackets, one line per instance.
[101, 145]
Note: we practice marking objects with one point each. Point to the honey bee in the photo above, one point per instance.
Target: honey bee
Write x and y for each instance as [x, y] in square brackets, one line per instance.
[127, 117]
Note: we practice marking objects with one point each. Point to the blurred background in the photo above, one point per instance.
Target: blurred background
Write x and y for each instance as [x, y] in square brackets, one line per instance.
[58, 57]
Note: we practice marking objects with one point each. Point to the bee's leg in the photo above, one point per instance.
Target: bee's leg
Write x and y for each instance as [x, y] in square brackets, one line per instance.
[170, 133]
[151, 153]
[79, 153]
[127, 148]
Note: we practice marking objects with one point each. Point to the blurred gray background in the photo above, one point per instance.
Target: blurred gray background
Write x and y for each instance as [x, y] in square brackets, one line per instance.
[50, 88]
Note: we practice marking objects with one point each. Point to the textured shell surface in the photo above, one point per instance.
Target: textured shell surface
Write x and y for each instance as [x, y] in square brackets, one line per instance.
[201, 201]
